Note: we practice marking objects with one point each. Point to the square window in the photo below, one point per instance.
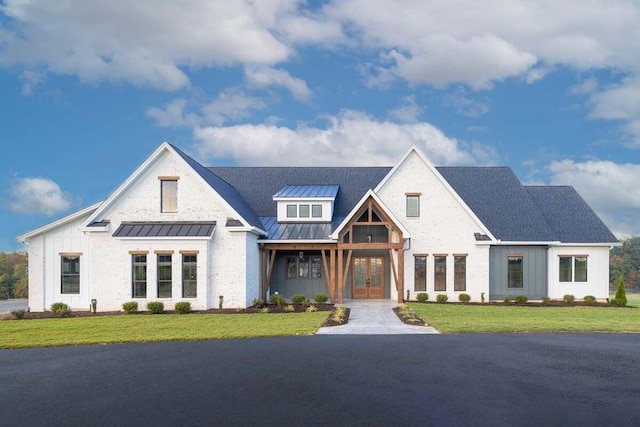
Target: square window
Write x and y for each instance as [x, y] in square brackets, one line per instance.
[413, 206]
[304, 211]
[316, 211]
[292, 211]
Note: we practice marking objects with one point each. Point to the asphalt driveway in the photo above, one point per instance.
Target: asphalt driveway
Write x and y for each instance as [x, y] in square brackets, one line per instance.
[510, 379]
[13, 304]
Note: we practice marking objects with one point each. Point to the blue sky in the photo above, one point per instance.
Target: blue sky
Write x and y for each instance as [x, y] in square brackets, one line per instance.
[90, 88]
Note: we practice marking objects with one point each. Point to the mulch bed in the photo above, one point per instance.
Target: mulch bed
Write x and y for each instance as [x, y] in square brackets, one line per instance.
[410, 318]
[552, 303]
[345, 320]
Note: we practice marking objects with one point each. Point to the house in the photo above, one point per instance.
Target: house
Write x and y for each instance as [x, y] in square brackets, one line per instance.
[176, 230]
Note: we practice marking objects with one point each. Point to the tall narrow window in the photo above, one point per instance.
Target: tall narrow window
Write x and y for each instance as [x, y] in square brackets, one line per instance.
[303, 267]
[413, 205]
[189, 276]
[460, 273]
[70, 275]
[292, 267]
[316, 267]
[164, 276]
[580, 269]
[169, 195]
[514, 274]
[292, 211]
[304, 211]
[565, 269]
[139, 276]
[420, 272]
[440, 273]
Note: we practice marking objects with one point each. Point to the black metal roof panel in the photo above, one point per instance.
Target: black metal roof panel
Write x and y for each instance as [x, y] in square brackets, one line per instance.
[570, 217]
[299, 231]
[165, 229]
[257, 185]
[500, 201]
[102, 223]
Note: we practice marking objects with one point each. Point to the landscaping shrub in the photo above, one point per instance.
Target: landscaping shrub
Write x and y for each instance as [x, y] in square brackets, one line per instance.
[18, 314]
[61, 309]
[506, 299]
[264, 310]
[546, 300]
[298, 299]
[568, 299]
[464, 297]
[621, 293]
[442, 298]
[312, 308]
[289, 309]
[182, 307]
[276, 299]
[257, 303]
[130, 307]
[590, 300]
[422, 297]
[155, 307]
[321, 298]
[521, 299]
[339, 314]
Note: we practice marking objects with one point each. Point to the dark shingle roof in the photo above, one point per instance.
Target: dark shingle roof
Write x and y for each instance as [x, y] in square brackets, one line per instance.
[224, 189]
[571, 219]
[500, 201]
[258, 184]
[165, 229]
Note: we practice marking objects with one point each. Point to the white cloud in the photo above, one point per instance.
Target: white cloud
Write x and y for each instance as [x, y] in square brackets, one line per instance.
[465, 105]
[408, 110]
[267, 76]
[37, 196]
[620, 102]
[611, 189]
[172, 115]
[31, 79]
[231, 104]
[351, 138]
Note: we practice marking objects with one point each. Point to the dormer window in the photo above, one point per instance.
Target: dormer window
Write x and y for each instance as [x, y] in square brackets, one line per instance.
[306, 203]
[168, 194]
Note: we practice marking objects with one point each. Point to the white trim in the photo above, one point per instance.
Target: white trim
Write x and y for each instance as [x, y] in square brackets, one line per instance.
[64, 220]
[297, 241]
[370, 193]
[304, 199]
[544, 243]
[414, 149]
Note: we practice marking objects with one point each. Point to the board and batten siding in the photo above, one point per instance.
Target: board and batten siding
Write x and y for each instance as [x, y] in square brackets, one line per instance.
[534, 272]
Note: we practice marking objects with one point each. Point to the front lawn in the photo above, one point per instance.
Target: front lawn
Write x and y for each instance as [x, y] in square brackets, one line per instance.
[146, 328]
[459, 318]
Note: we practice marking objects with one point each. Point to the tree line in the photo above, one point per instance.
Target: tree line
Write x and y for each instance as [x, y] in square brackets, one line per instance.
[13, 275]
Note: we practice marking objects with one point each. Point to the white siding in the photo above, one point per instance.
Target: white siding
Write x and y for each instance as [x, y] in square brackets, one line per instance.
[443, 227]
[597, 283]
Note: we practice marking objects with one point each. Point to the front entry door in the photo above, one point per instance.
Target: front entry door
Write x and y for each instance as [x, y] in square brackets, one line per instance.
[367, 280]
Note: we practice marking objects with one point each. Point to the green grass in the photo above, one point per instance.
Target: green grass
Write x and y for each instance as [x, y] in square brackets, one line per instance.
[147, 328]
[457, 318]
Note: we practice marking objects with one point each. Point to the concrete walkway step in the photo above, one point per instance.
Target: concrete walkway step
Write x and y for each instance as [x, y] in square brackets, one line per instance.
[374, 317]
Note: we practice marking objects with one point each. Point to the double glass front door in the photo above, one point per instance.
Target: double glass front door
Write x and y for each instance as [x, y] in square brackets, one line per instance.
[368, 277]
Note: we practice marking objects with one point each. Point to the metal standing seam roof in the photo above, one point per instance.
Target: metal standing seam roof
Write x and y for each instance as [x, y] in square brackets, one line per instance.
[308, 191]
[165, 229]
[299, 230]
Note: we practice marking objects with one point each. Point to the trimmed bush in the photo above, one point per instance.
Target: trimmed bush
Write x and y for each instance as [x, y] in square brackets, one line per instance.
[464, 297]
[321, 298]
[568, 299]
[546, 300]
[442, 298]
[257, 303]
[130, 307]
[276, 299]
[61, 309]
[298, 299]
[18, 314]
[521, 299]
[590, 300]
[289, 309]
[182, 307]
[621, 293]
[422, 297]
[312, 308]
[155, 307]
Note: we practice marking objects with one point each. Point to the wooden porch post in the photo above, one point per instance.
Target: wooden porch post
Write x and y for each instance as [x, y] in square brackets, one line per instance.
[340, 275]
[332, 269]
[331, 290]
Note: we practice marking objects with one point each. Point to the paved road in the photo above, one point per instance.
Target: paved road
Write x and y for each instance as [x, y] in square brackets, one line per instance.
[516, 379]
[13, 304]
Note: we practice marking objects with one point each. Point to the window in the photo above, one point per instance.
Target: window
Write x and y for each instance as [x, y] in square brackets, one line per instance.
[316, 211]
[189, 275]
[420, 272]
[70, 274]
[514, 274]
[292, 211]
[460, 273]
[304, 268]
[304, 211]
[169, 195]
[292, 268]
[413, 205]
[316, 267]
[440, 273]
[139, 276]
[164, 276]
[573, 268]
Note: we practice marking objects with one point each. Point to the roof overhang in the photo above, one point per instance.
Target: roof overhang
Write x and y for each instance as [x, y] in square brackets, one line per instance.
[23, 238]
